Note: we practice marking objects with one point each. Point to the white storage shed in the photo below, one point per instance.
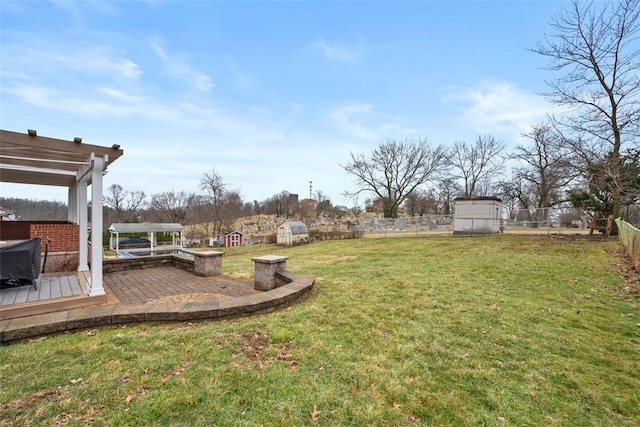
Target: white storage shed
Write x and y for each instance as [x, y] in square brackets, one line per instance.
[292, 233]
[477, 215]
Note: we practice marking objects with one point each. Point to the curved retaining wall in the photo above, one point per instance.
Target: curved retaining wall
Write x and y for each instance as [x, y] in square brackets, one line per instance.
[294, 287]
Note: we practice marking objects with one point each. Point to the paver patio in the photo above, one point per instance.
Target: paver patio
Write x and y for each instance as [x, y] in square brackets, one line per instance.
[169, 284]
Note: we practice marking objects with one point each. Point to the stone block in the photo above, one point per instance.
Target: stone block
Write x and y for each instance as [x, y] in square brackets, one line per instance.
[266, 268]
[208, 263]
[89, 317]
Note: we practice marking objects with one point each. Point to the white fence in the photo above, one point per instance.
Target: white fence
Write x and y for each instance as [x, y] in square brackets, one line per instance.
[540, 218]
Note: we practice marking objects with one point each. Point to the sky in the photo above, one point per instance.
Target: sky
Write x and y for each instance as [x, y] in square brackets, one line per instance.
[272, 95]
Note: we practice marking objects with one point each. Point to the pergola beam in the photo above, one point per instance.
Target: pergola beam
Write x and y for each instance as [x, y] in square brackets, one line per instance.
[26, 158]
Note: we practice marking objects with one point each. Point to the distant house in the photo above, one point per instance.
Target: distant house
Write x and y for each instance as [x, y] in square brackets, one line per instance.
[230, 240]
[292, 233]
[477, 215]
[7, 215]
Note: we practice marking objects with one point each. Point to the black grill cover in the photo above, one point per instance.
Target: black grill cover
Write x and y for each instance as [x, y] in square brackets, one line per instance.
[21, 261]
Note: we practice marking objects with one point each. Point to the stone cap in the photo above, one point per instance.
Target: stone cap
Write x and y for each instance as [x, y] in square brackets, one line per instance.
[208, 253]
[270, 259]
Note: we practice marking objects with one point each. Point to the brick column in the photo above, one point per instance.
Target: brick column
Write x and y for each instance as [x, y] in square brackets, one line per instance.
[265, 270]
[207, 263]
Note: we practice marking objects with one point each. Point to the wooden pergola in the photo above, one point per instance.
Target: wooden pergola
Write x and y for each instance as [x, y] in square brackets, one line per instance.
[26, 158]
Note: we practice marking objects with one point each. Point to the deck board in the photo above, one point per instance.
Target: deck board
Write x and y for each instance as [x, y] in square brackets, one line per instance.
[22, 294]
[50, 286]
[56, 291]
[7, 296]
[32, 294]
[65, 287]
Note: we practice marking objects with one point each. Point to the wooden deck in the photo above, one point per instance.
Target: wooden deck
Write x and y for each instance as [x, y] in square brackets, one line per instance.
[55, 285]
[56, 291]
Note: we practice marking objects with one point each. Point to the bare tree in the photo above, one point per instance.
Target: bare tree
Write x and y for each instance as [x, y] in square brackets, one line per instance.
[323, 203]
[232, 209]
[173, 206]
[115, 199]
[306, 211]
[596, 194]
[517, 194]
[447, 190]
[477, 163]
[394, 170]
[136, 202]
[215, 189]
[281, 204]
[596, 45]
[127, 205]
[545, 168]
[421, 202]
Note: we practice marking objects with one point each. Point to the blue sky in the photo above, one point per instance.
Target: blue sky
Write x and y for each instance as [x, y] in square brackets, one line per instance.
[270, 94]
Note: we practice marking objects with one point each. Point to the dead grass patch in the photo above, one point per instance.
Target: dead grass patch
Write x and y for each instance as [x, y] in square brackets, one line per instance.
[630, 275]
[260, 352]
[36, 398]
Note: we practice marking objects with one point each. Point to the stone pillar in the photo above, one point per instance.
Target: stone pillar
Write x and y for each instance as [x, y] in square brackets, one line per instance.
[266, 268]
[208, 263]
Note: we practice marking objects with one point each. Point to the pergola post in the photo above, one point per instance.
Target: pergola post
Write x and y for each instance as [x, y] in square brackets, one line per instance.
[83, 221]
[152, 237]
[72, 210]
[98, 167]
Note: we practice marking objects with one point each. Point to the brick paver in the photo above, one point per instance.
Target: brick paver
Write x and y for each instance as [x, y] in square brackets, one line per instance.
[170, 284]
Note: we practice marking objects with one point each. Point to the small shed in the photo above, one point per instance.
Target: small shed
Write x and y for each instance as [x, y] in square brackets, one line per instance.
[230, 240]
[116, 229]
[477, 215]
[292, 233]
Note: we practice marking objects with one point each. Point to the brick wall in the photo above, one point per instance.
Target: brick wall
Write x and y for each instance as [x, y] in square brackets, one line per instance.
[64, 245]
[65, 237]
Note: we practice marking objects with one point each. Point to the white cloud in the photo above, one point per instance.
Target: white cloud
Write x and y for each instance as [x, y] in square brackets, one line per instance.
[178, 65]
[75, 8]
[99, 60]
[34, 59]
[337, 52]
[108, 102]
[349, 118]
[120, 95]
[89, 104]
[159, 51]
[71, 8]
[498, 106]
[362, 121]
[297, 108]
[241, 79]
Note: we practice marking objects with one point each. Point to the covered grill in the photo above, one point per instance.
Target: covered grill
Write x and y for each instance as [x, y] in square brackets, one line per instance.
[20, 263]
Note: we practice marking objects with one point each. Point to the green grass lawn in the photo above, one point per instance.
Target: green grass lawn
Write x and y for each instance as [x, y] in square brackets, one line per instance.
[501, 330]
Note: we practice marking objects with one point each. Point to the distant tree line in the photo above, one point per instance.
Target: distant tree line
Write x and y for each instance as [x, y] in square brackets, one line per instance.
[35, 210]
